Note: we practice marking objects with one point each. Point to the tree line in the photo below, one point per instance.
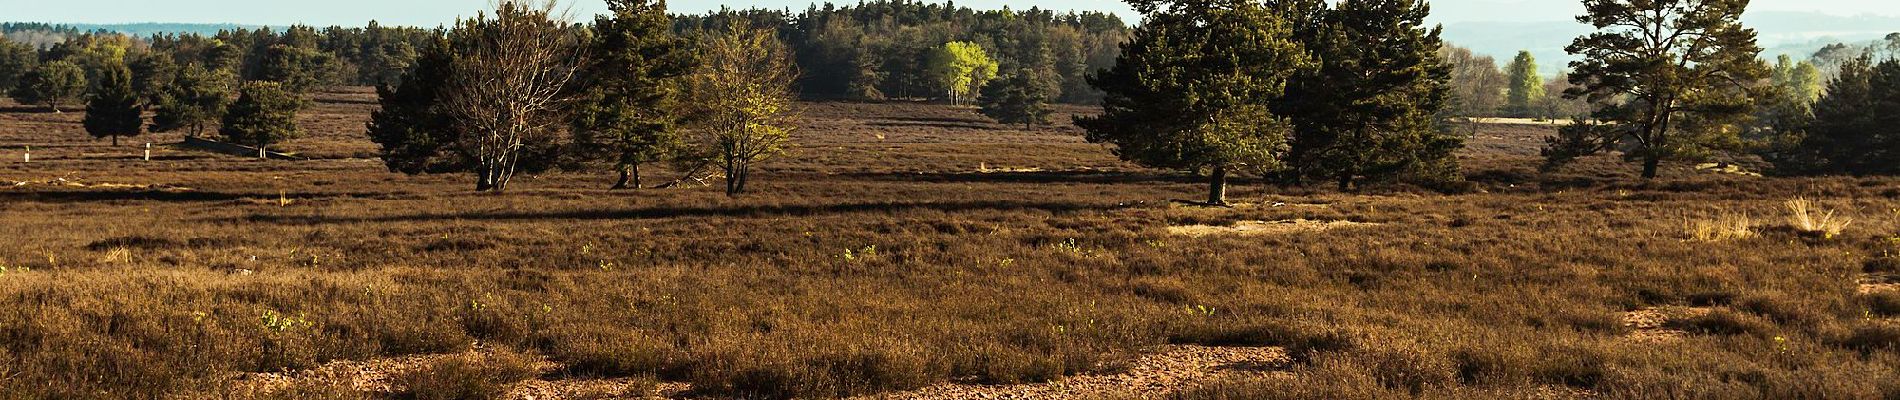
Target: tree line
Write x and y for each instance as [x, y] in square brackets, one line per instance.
[1295, 91]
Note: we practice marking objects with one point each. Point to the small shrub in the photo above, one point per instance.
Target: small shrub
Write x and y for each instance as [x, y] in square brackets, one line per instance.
[1883, 265]
[1809, 218]
[1781, 308]
[1169, 290]
[597, 352]
[1404, 367]
[1886, 304]
[1873, 337]
[1723, 322]
[464, 377]
[1726, 226]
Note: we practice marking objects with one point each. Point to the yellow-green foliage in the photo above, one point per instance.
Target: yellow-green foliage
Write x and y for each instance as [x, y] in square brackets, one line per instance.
[961, 68]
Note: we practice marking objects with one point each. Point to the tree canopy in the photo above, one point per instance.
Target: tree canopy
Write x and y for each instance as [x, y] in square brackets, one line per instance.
[627, 114]
[113, 108]
[1670, 79]
[51, 84]
[960, 69]
[1526, 91]
[1194, 87]
[1370, 109]
[1016, 98]
[264, 114]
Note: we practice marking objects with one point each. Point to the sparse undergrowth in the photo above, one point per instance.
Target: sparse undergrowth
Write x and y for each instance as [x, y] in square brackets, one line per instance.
[1508, 292]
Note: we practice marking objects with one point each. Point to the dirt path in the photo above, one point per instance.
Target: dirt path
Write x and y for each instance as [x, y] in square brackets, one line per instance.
[1167, 370]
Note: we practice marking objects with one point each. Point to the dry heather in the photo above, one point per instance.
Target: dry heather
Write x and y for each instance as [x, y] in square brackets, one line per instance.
[905, 246]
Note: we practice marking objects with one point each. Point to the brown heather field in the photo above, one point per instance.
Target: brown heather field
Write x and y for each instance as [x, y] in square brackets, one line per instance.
[908, 250]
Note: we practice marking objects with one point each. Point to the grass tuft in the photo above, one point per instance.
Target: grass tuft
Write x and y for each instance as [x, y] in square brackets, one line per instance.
[1808, 217]
[1726, 226]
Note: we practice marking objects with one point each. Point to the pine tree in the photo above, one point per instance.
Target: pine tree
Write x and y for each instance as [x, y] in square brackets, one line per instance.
[15, 60]
[1851, 129]
[1527, 88]
[1193, 89]
[1674, 99]
[627, 115]
[264, 114]
[113, 109]
[152, 76]
[1016, 99]
[416, 135]
[51, 84]
[1370, 110]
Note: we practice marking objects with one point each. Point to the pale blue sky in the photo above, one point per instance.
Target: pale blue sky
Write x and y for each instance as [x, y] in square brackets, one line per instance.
[433, 12]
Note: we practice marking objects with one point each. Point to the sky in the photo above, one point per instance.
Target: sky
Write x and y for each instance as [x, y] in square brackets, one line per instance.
[435, 12]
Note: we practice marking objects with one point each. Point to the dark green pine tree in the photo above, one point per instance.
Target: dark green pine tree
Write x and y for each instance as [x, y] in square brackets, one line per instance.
[1851, 130]
[1016, 99]
[1193, 87]
[51, 84]
[1369, 111]
[196, 97]
[265, 114]
[113, 109]
[152, 76]
[627, 117]
[416, 135]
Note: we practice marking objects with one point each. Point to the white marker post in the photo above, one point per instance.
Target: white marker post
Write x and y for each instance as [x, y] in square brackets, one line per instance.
[28, 157]
[148, 152]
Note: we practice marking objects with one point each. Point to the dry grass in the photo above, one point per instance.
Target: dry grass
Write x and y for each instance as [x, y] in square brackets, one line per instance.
[1512, 290]
[467, 377]
[1725, 226]
[1811, 218]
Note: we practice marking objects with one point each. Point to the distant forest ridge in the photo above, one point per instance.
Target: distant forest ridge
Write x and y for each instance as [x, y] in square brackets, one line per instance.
[1797, 34]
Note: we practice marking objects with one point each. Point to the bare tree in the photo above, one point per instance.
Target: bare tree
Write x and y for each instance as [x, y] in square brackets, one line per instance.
[510, 84]
[741, 99]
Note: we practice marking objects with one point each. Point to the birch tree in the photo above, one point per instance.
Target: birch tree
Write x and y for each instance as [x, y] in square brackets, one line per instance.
[510, 84]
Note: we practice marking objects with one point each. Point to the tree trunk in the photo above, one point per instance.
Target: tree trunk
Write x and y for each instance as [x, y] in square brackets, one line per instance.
[636, 176]
[732, 178]
[626, 176]
[1345, 182]
[1650, 166]
[1217, 186]
[115, 140]
[484, 177]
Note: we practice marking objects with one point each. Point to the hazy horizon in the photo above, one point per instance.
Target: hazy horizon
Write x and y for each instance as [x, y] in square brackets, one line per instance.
[436, 12]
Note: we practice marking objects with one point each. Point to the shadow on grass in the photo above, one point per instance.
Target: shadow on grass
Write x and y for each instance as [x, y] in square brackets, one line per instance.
[1041, 177]
[180, 196]
[756, 211]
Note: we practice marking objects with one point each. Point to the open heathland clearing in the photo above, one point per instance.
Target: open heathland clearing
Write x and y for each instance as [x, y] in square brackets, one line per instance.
[912, 250]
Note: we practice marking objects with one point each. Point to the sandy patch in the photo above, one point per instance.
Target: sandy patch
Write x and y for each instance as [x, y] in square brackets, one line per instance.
[1730, 169]
[1168, 369]
[1867, 287]
[1263, 228]
[377, 376]
[75, 183]
[1648, 324]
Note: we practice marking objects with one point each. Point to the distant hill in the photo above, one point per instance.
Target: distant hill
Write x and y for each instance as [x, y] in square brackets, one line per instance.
[149, 28]
[44, 34]
[1797, 34]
